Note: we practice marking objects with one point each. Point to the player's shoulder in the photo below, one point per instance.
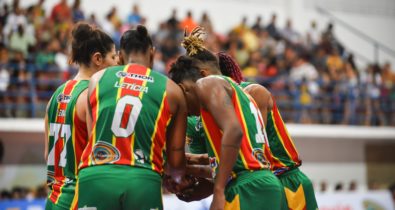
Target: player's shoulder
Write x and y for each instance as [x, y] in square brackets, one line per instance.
[211, 80]
[256, 88]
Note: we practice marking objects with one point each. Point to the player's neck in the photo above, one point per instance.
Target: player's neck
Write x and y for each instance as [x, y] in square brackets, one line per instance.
[141, 60]
[84, 73]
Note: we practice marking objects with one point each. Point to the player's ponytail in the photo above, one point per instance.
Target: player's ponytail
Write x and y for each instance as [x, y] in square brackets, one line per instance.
[229, 67]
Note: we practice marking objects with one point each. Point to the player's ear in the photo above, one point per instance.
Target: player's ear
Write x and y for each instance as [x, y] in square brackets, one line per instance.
[204, 72]
[121, 60]
[97, 59]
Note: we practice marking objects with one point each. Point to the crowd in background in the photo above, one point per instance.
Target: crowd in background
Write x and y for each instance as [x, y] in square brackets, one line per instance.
[312, 75]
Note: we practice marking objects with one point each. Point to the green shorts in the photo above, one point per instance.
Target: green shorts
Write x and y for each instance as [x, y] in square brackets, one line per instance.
[119, 187]
[65, 198]
[299, 190]
[258, 190]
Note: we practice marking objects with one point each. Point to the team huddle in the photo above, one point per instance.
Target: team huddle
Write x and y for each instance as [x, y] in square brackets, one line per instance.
[117, 132]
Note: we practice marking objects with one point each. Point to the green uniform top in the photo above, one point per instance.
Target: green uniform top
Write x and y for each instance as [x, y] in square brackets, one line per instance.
[130, 115]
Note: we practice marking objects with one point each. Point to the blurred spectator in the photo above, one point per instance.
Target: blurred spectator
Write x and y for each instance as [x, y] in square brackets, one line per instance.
[1, 151]
[188, 23]
[374, 114]
[77, 13]
[134, 18]
[38, 13]
[388, 93]
[314, 33]
[13, 21]
[4, 81]
[353, 186]
[272, 28]
[289, 34]
[61, 12]
[351, 82]
[323, 186]
[173, 21]
[339, 187]
[20, 41]
[258, 27]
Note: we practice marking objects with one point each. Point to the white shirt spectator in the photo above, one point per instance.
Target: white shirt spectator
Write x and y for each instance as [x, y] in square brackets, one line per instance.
[4, 80]
[303, 71]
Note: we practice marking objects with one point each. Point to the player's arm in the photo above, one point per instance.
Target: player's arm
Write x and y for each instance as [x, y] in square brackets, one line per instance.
[46, 131]
[262, 97]
[218, 101]
[197, 159]
[203, 171]
[200, 190]
[92, 85]
[175, 144]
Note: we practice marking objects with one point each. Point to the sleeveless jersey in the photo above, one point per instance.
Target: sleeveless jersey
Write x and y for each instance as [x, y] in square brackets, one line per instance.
[130, 116]
[285, 155]
[67, 136]
[252, 154]
[195, 137]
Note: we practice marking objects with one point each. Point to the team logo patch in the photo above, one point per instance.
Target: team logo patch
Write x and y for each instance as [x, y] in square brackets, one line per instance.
[104, 152]
[259, 155]
[213, 164]
[122, 74]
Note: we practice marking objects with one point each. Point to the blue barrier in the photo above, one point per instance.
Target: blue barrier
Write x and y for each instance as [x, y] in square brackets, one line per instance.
[36, 204]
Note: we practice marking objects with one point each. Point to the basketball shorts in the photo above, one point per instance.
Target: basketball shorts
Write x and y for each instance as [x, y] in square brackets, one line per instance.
[258, 190]
[298, 190]
[62, 198]
[119, 187]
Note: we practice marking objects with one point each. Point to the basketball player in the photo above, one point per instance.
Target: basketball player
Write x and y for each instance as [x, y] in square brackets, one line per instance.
[234, 129]
[286, 161]
[65, 121]
[139, 120]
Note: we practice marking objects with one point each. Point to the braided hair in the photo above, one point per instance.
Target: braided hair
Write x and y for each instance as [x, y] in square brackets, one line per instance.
[194, 45]
[229, 67]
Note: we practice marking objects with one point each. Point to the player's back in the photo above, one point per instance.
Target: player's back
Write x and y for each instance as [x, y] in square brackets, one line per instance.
[130, 115]
[254, 142]
[67, 135]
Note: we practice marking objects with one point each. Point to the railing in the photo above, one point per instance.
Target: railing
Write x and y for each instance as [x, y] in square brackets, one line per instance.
[377, 46]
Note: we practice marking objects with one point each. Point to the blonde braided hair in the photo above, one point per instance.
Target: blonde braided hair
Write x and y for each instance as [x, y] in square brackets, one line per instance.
[194, 43]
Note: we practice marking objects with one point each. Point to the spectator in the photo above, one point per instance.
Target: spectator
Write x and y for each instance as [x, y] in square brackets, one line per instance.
[134, 18]
[258, 25]
[188, 23]
[314, 33]
[14, 20]
[272, 28]
[4, 82]
[289, 34]
[353, 186]
[352, 94]
[61, 12]
[173, 21]
[77, 13]
[20, 41]
[339, 187]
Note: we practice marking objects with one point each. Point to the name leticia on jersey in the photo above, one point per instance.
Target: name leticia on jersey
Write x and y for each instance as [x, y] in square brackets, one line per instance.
[131, 86]
[135, 76]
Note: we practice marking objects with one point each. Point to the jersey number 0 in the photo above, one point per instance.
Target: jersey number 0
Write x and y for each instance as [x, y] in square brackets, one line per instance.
[126, 115]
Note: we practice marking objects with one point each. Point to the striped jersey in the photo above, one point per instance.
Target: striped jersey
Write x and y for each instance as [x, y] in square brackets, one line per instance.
[252, 154]
[67, 136]
[282, 147]
[130, 115]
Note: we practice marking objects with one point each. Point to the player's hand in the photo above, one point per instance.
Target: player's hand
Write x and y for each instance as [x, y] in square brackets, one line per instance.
[218, 202]
[173, 187]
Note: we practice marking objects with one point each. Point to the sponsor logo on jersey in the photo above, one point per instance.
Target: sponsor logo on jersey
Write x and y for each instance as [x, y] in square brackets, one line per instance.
[140, 157]
[131, 86]
[104, 152]
[122, 74]
[259, 155]
[62, 98]
[199, 124]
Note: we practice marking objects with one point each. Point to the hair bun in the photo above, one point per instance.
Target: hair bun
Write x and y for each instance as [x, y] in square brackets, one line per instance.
[82, 31]
[142, 31]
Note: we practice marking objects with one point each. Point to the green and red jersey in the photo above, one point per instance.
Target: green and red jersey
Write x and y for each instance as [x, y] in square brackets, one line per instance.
[253, 149]
[67, 136]
[130, 115]
[282, 147]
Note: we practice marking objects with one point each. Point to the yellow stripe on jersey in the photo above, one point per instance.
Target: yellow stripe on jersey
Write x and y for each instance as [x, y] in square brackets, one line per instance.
[156, 129]
[210, 140]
